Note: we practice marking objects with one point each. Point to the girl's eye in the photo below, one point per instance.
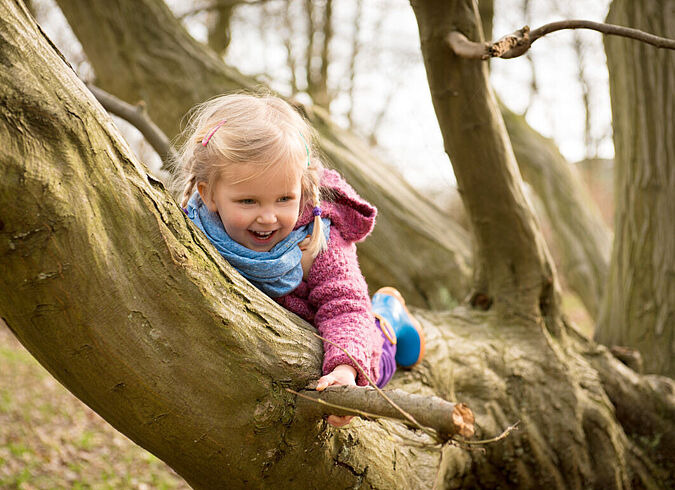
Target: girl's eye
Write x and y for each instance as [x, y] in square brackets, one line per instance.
[246, 201]
[285, 199]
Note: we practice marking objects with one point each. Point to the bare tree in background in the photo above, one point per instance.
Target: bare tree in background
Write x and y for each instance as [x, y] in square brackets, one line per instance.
[534, 85]
[579, 48]
[639, 304]
[219, 26]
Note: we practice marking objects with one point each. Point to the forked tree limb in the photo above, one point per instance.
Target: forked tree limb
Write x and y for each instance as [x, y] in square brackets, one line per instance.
[137, 116]
[518, 42]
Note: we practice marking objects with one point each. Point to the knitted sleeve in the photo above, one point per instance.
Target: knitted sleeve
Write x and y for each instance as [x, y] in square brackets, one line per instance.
[343, 312]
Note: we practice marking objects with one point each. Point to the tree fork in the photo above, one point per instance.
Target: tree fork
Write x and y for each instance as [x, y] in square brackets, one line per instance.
[518, 271]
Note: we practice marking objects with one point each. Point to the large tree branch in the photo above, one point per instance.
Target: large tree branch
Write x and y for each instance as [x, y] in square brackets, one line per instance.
[512, 256]
[579, 234]
[518, 42]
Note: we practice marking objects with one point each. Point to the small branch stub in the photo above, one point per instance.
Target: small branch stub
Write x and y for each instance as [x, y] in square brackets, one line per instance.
[512, 45]
[463, 418]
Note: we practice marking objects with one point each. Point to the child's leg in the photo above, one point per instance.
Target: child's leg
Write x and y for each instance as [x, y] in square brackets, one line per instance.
[407, 335]
[388, 358]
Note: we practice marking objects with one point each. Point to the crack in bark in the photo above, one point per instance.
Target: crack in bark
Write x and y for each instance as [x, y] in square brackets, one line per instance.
[359, 476]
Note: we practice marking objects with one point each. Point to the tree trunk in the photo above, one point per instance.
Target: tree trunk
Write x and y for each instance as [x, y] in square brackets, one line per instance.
[581, 238]
[639, 306]
[515, 272]
[171, 72]
[120, 297]
[220, 31]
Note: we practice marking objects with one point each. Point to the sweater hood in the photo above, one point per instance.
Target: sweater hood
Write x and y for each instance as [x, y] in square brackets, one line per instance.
[353, 216]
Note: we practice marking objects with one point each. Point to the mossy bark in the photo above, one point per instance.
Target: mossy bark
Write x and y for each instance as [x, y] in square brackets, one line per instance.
[139, 51]
[639, 306]
[111, 288]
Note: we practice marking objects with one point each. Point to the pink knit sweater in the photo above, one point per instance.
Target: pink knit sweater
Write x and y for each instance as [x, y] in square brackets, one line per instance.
[334, 298]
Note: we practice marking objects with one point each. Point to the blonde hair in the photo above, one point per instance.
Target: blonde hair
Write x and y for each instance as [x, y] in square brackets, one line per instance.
[253, 130]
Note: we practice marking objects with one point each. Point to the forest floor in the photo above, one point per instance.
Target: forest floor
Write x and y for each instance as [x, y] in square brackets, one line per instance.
[50, 439]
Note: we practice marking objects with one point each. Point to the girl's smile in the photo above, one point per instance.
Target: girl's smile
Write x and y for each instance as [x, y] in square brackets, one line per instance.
[258, 210]
[262, 238]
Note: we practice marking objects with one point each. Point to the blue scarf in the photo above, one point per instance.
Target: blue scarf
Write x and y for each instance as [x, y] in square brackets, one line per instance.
[277, 272]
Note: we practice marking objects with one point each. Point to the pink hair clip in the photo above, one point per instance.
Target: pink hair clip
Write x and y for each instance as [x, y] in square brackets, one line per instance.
[210, 134]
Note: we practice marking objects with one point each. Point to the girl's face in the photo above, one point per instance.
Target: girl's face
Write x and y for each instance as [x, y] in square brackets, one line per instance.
[258, 211]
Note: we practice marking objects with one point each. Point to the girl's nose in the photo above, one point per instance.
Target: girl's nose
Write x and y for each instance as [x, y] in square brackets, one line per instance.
[267, 217]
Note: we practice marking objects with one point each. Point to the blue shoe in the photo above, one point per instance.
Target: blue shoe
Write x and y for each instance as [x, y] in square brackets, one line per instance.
[389, 305]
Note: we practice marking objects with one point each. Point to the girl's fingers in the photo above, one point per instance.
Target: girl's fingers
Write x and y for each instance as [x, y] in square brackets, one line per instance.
[325, 382]
[336, 421]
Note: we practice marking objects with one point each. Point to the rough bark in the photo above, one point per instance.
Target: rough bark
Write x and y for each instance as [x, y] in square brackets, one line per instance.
[170, 72]
[639, 306]
[581, 237]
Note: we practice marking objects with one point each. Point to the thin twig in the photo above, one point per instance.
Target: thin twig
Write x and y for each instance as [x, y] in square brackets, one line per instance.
[217, 5]
[138, 117]
[518, 42]
[501, 436]
[610, 29]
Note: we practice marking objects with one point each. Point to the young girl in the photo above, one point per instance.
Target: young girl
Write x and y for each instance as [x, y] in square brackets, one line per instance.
[252, 183]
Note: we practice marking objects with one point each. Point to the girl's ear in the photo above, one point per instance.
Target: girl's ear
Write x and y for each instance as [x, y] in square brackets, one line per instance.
[207, 196]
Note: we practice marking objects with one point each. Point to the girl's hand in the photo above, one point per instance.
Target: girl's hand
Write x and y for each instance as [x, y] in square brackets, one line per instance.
[343, 374]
